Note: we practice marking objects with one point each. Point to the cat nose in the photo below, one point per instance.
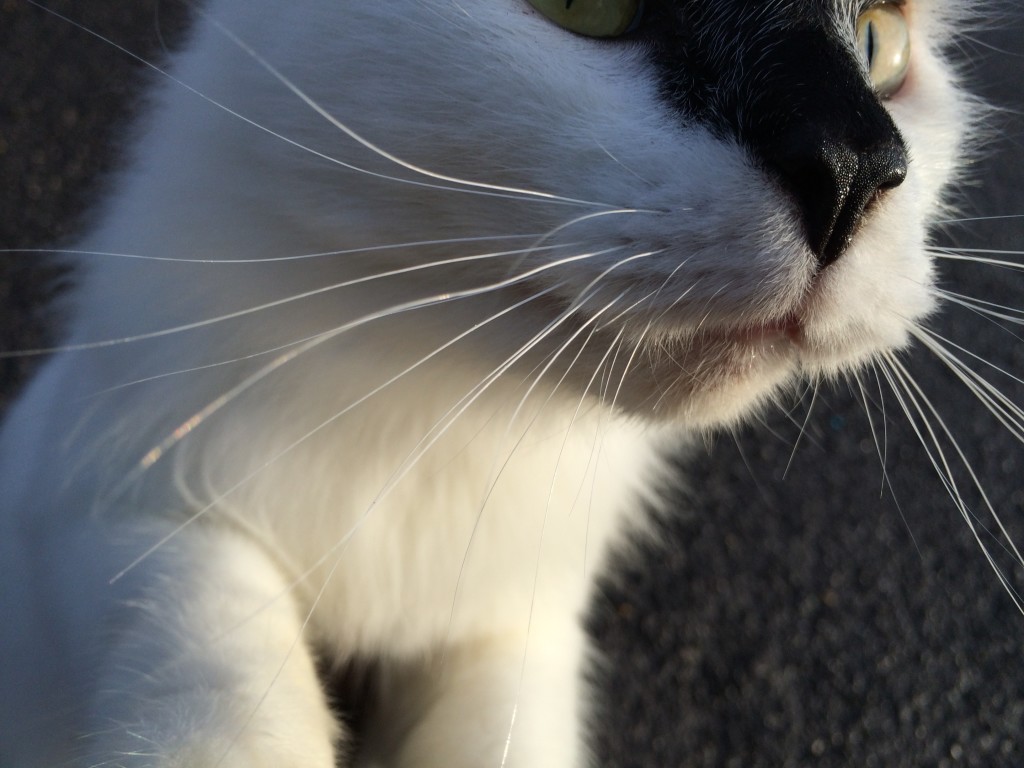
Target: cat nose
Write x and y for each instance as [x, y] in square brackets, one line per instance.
[835, 181]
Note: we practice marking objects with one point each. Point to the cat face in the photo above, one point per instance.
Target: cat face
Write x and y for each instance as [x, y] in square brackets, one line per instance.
[675, 236]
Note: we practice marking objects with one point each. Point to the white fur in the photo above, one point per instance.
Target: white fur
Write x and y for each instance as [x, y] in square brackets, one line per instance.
[448, 528]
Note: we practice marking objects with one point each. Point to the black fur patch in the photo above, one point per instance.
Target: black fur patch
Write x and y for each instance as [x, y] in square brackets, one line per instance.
[779, 78]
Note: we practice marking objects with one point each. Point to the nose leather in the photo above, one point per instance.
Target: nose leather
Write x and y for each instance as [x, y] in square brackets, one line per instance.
[833, 145]
[835, 177]
[800, 103]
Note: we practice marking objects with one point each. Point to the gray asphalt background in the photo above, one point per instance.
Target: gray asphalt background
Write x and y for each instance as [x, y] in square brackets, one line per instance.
[806, 617]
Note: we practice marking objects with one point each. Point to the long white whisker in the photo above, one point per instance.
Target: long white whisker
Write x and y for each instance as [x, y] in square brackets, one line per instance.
[566, 314]
[643, 334]
[454, 413]
[180, 433]
[969, 254]
[298, 297]
[419, 450]
[803, 429]
[495, 473]
[537, 563]
[882, 448]
[971, 219]
[274, 259]
[982, 307]
[939, 350]
[477, 188]
[518, 192]
[297, 579]
[584, 297]
[1008, 413]
[579, 219]
[646, 254]
[905, 398]
[896, 372]
[338, 548]
[880, 444]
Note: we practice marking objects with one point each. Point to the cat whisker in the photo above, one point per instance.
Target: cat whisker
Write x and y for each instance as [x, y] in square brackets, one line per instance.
[429, 439]
[465, 187]
[592, 321]
[913, 400]
[984, 44]
[219, 363]
[296, 642]
[971, 219]
[580, 219]
[300, 577]
[540, 538]
[337, 550]
[788, 409]
[971, 254]
[420, 449]
[803, 427]
[630, 361]
[614, 345]
[234, 113]
[985, 308]
[86, 346]
[643, 334]
[690, 372]
[1009, 414]
[178, 434]
[592, 461]
[495, 476]
[639, 343]
[682, 295]
[682, 369]
[271, 259]
[473, 186]
[568, 312]
[435, 432]
[881, 444]
[886, 479]
[622, 165]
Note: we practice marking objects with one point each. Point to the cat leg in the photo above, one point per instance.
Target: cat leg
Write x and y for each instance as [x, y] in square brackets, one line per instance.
[205, 665]
[480, 706]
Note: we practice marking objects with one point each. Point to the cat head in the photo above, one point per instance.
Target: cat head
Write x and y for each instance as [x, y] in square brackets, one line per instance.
[702, 199]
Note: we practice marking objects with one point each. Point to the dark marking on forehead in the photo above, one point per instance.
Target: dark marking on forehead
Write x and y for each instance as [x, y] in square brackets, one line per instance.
[726, 62]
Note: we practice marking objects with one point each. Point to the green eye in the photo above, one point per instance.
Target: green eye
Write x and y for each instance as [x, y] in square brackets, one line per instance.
[593, 18]
[884, 41]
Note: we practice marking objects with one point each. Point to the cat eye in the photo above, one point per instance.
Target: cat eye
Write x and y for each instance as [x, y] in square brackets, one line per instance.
[883, 38]
[593, 18]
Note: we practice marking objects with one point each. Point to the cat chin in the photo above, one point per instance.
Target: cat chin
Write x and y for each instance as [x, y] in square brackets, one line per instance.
[717, 379]
[721, 402]
[702, 381]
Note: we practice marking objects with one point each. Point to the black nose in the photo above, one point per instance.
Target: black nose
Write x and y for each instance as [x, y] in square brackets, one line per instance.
[835, 177]
[823, 132]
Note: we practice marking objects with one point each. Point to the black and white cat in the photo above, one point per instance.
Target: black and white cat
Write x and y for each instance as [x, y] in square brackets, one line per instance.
[387, 325]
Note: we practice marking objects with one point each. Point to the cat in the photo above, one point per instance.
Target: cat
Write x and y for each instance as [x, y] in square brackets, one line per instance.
[494, 326]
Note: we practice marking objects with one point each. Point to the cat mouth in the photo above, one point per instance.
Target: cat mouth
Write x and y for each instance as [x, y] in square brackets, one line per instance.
[753, 339]
[786, 330]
